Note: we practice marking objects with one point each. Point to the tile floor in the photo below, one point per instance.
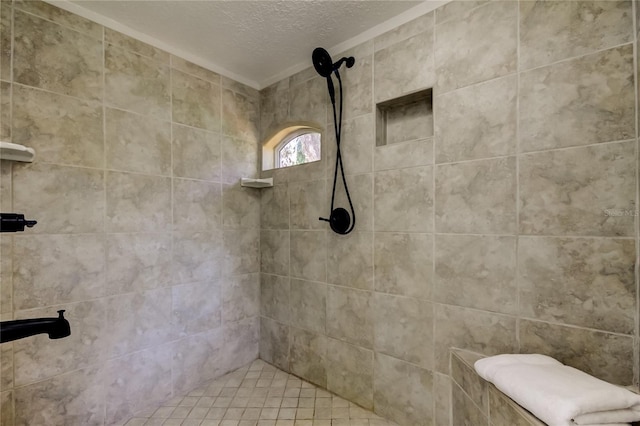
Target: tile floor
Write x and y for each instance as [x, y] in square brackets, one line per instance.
[259, 395]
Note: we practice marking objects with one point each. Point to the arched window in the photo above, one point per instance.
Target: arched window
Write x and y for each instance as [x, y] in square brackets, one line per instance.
[293, 145]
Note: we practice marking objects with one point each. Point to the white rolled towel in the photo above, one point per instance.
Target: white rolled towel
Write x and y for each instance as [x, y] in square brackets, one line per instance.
[557, 394]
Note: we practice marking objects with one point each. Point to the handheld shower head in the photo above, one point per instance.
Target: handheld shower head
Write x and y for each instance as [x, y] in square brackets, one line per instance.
[322, 62]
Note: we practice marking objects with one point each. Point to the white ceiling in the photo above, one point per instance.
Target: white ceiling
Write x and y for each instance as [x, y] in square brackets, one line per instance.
[255, 42]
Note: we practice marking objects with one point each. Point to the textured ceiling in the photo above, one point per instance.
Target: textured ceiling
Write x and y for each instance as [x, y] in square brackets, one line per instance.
[256, 42]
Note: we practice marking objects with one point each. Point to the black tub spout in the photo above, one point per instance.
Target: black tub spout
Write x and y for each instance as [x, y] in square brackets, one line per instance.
[56, 328]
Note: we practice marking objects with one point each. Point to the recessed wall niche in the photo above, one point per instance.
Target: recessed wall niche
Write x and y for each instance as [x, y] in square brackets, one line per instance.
[403, 119]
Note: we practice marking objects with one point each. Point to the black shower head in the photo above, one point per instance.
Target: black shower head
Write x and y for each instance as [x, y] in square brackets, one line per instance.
[322, 61]
[324, 65]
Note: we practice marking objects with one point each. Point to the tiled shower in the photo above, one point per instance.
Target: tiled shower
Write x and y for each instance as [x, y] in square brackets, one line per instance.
[503, 220]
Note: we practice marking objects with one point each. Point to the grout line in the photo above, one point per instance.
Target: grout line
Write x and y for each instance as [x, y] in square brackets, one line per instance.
[517, 200]
[636, 346]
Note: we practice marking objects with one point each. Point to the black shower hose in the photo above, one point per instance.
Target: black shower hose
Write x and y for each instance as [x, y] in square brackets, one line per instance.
[338, 130]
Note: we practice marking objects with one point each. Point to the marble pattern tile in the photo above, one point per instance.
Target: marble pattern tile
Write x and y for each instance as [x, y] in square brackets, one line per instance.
[60, 16]
[136, 83]
[476, 272]
[405, 154]
[240, 207]
[404, 200]
[350, 374]
[136, 46]
[593, 352]
[465, 376]
[478, 121]
[39, 358]
[53, 269]
[274, 107]
[6, 271]
[196, 359]
[6, 110]
[74, 399]
[197, 257]
[139, 320]
[61, 129]
[406, 66]
[193, 69]
[62, 199]
[197, 153]
[137, 143]
[569, 192]
[464, 411]
[55, 58]
[243, 89]
[274, 252]
[240, 115]
[195, 102]
[309, 171]
[274, 297]
[6, 367]
[404, 329]
[307, 356]
[350, 316]
[308, 305]
[239, 159]
[403, 264]
[584, 282]
[556, 30]
[6, 36]
[308, 101]
[274, 207]
[307, 256]
[197, 205]
[6, 408]
[196, 308]
[505, 412]
[137, 203]
[240, 297]
[461, 46]
[442, 399]
[579, 102]
[478, 331]
[307, 204]
[274, 343]
[403, 32]
[476, 197]
[241, 252]
[454, 9]
[137, 262]
[241, 343]
[350, 260]
[356, 145]
[137, 381]
[403, 392]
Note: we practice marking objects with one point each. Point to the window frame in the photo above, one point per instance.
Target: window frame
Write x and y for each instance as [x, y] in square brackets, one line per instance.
[283, 135]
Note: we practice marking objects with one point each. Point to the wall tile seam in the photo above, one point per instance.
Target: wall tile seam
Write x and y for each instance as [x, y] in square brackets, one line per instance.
[469, 399]
[567, 148]
[400, 41]
[179, 71]
[16, 7]
[461, 15]
[636, 346]
[40, 89]
[103, 364]
[577, 57]
[161, 64]
[172, 58]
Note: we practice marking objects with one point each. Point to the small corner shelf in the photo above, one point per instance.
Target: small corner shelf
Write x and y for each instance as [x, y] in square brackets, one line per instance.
[14, 152]
[256, 183]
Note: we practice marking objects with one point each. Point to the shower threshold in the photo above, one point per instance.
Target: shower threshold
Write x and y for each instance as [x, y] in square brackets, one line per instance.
[258, 394]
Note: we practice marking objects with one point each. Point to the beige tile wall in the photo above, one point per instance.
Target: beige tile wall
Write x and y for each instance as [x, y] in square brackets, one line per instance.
[490, 236]
[144, 236]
